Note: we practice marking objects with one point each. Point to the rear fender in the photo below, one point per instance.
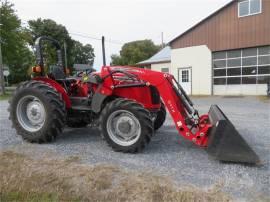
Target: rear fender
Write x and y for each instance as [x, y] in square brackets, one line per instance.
[58, 88]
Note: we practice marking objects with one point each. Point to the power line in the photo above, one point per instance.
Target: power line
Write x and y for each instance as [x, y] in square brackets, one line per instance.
[95, 38]
[25, 23]
[85, 36]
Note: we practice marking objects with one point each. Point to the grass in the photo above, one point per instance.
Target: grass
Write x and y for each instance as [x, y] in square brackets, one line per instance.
[47, 180]
[6, 96]
[263, 98]
[28, 196]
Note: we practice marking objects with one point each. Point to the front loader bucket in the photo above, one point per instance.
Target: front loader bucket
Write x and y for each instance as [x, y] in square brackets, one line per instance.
[225, 143]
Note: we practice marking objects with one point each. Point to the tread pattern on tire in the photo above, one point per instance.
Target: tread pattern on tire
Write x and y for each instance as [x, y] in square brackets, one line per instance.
[57, 112]
[161, 117]
[139, 111]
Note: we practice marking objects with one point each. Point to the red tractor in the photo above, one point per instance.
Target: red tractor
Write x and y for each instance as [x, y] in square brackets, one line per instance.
[128, 104]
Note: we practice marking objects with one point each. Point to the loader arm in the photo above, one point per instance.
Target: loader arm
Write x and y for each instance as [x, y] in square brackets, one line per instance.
[186, 118]
[212, 131]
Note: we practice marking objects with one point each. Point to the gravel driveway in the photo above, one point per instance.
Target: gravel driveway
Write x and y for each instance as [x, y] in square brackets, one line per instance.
[168, 153]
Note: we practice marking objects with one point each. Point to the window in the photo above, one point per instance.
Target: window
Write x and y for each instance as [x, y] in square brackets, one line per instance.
[219, 55]
[234, 80]
[264, 50]
[249, 80]
[249, 7]
[220, 81]
[263, 60]
[234, 54]
[249, 71]
[234, 62]
[185, 76]
[234, 72]
[243, 8]
[263, 79]
[255, 6]
[220, 72]
[165, 70]
[264, 70]
[219, 63]
[249, 52]
[249, 61]
[242, 66]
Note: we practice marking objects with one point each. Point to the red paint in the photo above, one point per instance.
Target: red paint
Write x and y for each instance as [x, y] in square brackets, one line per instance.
[163, 82]
[58, 88]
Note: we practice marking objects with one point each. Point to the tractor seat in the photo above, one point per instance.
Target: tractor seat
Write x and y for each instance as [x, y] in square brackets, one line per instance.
[57, 72]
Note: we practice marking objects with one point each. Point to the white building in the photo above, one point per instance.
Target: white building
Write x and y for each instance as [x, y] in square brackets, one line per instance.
[228, 53]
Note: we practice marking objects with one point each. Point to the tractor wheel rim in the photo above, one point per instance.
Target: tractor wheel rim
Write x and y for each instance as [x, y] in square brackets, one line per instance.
[31, 113]
[123, 128]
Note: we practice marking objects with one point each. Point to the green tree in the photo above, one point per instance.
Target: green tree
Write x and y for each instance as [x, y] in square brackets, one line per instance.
[16, 54]
[83, 54]
[76, 52]
[117, 60]
[134, 52]
[48, 27]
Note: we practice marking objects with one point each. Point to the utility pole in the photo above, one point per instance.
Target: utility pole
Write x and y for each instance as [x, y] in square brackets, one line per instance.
[162, 41]
[65, 50]
[2, 81]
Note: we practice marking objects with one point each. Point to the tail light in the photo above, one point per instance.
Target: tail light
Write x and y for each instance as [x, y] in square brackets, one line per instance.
[36, 69]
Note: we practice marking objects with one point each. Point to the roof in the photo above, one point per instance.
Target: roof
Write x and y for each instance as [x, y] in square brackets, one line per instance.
[164, 55]
[202, 21]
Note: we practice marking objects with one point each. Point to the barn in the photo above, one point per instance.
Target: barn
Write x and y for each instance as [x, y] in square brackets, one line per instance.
[227, 53]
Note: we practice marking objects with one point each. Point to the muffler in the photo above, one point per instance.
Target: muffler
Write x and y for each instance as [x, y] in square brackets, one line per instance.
[225, 143]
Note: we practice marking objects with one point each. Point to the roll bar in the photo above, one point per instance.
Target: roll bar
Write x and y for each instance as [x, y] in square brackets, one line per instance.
[39, 52]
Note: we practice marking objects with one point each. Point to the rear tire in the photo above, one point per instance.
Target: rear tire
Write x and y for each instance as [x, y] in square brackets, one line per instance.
[126, 125]
[161, 117]
[37, 112]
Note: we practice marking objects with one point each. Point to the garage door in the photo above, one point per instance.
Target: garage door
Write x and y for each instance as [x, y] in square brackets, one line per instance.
[242, 71]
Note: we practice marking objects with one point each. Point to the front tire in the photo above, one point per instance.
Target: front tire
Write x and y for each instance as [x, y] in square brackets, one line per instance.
[126, 125]
[37, 112]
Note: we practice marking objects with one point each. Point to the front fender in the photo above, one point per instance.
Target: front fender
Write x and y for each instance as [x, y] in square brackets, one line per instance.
[58, 88]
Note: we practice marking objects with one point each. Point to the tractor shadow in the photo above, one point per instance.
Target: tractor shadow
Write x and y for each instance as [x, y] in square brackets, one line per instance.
[79, 135]
[166, 146]
[166, 140]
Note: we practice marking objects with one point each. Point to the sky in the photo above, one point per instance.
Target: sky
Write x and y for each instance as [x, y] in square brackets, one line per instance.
[120, 21]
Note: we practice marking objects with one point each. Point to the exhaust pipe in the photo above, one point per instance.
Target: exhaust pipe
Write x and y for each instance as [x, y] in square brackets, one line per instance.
[225, 143]
[103, 51]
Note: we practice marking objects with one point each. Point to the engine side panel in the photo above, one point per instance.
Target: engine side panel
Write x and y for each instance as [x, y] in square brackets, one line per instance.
[143, 95]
